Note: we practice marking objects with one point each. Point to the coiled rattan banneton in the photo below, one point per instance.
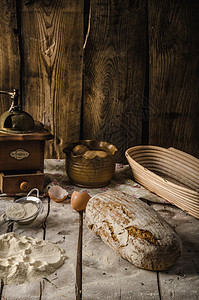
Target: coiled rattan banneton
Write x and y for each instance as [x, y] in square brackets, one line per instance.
[170, 173]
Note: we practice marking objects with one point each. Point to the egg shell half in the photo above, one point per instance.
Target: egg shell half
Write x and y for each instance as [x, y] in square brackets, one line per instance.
[57, 194]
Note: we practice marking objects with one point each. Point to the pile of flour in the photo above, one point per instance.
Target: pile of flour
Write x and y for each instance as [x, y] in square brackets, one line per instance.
[25, 259]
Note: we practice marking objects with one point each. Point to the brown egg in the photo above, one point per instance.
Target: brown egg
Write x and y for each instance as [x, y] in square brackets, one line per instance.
[79, 150]
[79, 200]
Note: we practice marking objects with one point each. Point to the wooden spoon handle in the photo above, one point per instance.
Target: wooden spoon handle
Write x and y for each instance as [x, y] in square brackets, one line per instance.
[78, 286]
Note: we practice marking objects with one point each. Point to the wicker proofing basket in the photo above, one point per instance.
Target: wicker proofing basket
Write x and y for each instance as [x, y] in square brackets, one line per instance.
[170, 173]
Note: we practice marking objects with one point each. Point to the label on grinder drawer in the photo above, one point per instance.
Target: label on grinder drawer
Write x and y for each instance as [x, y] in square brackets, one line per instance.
[19, 154]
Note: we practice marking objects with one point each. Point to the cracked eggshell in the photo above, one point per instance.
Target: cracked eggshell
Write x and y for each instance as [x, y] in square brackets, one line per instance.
[57, 193]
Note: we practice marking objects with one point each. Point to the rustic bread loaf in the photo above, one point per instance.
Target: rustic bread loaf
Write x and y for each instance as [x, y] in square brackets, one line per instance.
[134, 230]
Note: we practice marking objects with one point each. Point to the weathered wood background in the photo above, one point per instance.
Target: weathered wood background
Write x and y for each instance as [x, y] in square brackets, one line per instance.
[133, 81]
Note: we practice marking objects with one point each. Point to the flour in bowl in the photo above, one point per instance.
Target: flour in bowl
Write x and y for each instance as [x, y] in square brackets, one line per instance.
[30, 209]
[21, 211]
[15, 211]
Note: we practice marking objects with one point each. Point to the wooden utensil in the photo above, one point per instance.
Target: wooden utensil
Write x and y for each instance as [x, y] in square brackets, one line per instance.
[79, 202]
[78, 285]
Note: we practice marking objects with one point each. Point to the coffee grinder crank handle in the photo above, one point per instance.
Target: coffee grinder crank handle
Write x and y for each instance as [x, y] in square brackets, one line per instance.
[14, 97]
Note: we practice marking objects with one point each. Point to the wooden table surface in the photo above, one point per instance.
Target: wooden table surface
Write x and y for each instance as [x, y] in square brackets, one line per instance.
[105, 274]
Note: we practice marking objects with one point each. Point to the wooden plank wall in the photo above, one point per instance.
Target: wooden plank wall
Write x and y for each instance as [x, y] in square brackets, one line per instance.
[9, 51]
[174, 74]
[52, 45]
[136, 81]
[114, 83]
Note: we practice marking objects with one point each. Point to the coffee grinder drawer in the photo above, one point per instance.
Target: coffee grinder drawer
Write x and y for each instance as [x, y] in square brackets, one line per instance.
[20, 183]
[21, 155]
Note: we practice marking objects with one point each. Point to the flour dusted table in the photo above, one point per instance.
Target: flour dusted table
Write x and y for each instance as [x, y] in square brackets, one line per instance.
[106, 275]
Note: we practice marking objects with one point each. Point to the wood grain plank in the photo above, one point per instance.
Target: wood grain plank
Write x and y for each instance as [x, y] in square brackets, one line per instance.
[174, 65]
[173, 282]
[9, 51]
[185, 272]
[52, 41]
[107, 276]
[114, 82]
[62, 229]
[28, 290]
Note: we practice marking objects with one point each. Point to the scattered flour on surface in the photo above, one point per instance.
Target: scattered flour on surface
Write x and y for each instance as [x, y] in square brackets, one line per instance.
[25, 259]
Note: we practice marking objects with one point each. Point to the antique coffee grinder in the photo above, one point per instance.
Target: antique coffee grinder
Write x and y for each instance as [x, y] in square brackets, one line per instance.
[22, 142]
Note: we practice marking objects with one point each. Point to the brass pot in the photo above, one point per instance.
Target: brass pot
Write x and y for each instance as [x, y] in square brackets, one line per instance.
[91, 171]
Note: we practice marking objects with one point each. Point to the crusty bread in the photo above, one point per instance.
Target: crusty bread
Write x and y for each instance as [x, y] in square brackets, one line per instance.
[134, 230]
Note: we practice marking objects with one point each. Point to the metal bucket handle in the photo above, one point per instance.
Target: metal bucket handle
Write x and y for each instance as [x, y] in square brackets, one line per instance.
[35, 189]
